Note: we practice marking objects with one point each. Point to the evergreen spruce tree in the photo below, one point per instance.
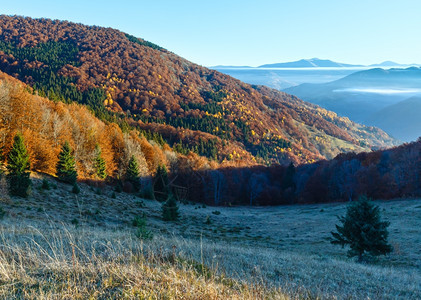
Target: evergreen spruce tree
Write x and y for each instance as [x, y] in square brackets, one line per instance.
[66, 165]
[99, 164]
[132, 173]
[161, 184]
[363, 230]
[170, 209]
[18, 168]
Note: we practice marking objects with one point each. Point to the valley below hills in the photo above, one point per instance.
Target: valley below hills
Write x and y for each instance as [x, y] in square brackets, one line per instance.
[377, 97]
[360, 93]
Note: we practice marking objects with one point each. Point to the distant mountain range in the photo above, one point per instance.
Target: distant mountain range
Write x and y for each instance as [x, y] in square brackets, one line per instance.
[388, 99]
[389, 63]
[318, 63]
[309, 63]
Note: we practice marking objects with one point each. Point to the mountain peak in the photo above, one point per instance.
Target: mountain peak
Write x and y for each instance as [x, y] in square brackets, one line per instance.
[309, 63]
[386, 63]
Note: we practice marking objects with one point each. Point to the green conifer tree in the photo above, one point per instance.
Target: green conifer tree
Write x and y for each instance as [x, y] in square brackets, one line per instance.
[99, 164]
[132, 172]
[18, 167]
[66, 165]
[363, 230]
[170, 209]
[161, 184]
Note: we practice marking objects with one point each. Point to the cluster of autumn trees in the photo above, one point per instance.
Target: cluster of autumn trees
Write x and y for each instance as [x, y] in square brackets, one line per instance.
[386, 174]
[115, 73]
[99, 148]
[46, 125]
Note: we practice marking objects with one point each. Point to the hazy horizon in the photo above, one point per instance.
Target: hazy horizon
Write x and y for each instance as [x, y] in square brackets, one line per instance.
[356, 66]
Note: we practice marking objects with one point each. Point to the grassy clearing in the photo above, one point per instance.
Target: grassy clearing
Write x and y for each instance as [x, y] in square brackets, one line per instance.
[211, 253]
[66, 263]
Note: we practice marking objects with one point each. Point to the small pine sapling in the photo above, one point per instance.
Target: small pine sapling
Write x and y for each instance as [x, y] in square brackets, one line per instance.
[75, 189]
[45, 185]
[142, 232]
[170, 209]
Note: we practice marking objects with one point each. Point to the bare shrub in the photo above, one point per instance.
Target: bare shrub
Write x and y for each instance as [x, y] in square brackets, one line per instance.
[4, 190]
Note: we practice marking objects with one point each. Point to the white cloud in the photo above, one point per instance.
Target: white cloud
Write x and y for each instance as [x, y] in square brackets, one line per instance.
[383, 91]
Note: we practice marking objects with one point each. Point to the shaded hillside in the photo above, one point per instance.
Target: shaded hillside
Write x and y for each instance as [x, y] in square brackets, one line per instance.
[390, 78]
[194, 108]
[401, 119]
[362, 84]
[387, 174]
[363, 95]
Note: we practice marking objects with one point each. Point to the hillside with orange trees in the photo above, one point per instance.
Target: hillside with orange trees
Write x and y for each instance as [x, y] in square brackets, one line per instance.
[133, 82]
[45, 126]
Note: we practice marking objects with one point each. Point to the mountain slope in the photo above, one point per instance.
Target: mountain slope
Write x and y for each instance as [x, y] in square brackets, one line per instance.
[401, 119]
[396, 77]
[309, 63]
[373, 78]
[361, 96]
[194, 108]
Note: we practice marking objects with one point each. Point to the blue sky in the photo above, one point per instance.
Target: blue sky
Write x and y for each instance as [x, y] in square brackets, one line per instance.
[245, 32]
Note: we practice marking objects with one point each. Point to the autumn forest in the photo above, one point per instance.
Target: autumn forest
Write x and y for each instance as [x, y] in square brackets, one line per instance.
[222, 141]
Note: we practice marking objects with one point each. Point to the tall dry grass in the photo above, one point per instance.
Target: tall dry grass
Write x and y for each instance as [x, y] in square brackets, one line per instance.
[58, 262]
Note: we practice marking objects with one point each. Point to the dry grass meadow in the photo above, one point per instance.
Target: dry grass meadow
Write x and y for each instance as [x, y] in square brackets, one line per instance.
[58, 245]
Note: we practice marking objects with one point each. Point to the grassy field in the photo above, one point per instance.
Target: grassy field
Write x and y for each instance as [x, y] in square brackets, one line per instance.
[58, 245]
